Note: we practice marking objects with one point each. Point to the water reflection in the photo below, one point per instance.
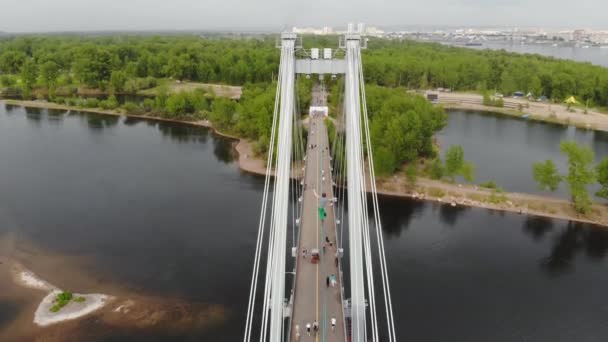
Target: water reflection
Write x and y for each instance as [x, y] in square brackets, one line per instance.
[537, 227]
[99, 121]
[131, 121]
[573, 240]
[449, 214]
[397, 213]
[565, 247]
[9, 108]
[181, 133]
[223, 151]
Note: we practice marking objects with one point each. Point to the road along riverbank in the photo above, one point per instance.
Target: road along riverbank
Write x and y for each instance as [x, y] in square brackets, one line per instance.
[425, 189]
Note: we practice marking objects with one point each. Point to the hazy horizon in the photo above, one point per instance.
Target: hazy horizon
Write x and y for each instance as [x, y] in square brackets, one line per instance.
[36, 16]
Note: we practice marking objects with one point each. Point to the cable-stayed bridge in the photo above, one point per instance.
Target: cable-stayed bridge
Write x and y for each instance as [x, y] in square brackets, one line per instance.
[302, 221]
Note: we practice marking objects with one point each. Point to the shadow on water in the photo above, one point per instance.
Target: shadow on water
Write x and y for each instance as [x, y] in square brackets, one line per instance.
[573, 240]
[449, 215]
[397, 213]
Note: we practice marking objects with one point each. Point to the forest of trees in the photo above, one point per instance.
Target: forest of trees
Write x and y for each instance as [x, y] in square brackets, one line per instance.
[118, 63]
[402, 125]
[123, 63]
[427, 65]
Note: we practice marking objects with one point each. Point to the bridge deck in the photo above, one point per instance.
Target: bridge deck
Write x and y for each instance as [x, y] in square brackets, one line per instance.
[313, 299]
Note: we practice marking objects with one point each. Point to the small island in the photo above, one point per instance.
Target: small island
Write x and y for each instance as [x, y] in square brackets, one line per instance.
[59, 306]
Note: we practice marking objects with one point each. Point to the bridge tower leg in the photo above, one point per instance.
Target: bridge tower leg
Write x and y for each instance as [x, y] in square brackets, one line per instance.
[352, 112]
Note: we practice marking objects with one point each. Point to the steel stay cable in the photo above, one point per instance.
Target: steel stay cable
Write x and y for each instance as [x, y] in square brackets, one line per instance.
[261, 225]
[365, 223]
[270, 260]
[380, 238]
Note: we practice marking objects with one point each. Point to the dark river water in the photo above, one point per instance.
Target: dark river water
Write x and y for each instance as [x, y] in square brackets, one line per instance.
[162, 208]
[503, 149]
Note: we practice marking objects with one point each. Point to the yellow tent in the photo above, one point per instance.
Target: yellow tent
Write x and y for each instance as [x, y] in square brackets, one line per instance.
[571, 100]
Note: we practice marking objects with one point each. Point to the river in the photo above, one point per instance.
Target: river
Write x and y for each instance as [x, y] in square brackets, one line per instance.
[163, 209]
[503, 148]
[592, 54]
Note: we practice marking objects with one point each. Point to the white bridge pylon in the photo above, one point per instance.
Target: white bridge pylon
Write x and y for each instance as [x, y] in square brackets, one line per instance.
[273, 324]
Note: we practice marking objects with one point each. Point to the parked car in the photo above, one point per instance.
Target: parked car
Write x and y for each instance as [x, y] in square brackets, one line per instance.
[518, 95]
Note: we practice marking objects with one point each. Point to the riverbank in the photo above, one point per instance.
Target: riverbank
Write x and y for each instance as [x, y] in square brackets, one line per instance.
[537, 111]
[476, 196]
[426, 189]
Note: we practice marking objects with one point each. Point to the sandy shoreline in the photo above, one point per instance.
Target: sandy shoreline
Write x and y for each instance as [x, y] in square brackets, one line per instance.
[461, 195]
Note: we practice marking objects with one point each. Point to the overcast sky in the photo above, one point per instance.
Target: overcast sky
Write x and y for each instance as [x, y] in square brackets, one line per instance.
[91, 15]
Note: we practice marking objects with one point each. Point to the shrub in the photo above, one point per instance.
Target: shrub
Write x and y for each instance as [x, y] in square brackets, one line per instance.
[61, 300]
[148, 105]
[110, 103]
[492, 102]
[132, 108]
[437, 169]
[488, 185]
[497, 196]
[91, 103]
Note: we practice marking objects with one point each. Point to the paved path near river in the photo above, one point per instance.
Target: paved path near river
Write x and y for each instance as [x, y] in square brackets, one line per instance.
[314, 300]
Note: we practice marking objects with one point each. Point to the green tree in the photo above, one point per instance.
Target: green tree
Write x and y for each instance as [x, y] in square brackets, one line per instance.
[411, 174]
[29, 73]
[11, 61]
[602, 178]
[384, 161]
[436, 169]
[468, 171]
[222, 112]
[454, 160]
[546, 175]
[118, 79]
[49, 71]
[580, 174]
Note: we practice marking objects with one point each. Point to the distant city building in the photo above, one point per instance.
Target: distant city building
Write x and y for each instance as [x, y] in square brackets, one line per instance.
[361, 27]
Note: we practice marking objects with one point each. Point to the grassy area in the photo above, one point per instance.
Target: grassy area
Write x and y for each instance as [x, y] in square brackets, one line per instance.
[219, 90]
[497, 196]
[436, 192]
